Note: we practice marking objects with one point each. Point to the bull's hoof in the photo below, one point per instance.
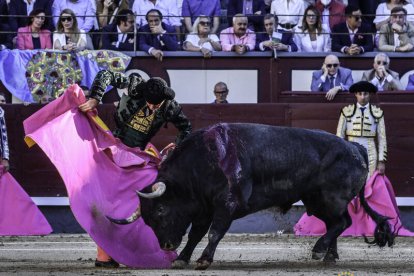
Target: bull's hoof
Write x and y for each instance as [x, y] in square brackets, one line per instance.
[330, 257]
[318, 255]
[179, 264]
[202, 264]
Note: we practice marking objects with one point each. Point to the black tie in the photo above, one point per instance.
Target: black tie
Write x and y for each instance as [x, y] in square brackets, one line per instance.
[331, 82]
[362, 110]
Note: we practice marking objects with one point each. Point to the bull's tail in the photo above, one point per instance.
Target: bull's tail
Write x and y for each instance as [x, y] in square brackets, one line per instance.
[383, 234]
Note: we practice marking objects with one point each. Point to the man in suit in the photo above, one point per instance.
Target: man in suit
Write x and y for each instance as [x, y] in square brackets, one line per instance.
[5, 39]
[332, 12]
[157, 36]
[381, 76]
[331, 78]
[119, 36]
[398, 34]
[253, 9]
[280, 40]
[19, 8]
[352, 37]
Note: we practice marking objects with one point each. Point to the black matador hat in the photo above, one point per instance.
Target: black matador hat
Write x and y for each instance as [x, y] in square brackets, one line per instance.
[363, 86]
[157, 90]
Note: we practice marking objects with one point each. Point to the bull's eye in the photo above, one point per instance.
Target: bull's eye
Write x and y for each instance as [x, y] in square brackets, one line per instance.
[160, 210]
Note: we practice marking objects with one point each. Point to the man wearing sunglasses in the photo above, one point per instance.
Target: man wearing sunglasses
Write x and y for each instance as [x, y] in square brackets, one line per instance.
[352, 37]
[398, 34]
[381, 76]
[331, 78]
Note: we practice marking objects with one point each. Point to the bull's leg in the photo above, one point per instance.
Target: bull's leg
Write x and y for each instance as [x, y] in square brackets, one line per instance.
[326, 245]
[197, 232]
[221, 223]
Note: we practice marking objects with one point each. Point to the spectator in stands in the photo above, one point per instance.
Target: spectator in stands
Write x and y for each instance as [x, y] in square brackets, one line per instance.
[312, 37]
[290, 13]
[119, 36]
[34, 36]
[84, 10]
[5, 39]
[274, 38]
[254, 9]
[332, 12]
[384, 11]
[157, 36]
[2, 99]
[367, 7]
[410, 84]
[352, 37]
[398, 35]
[201, 40]
[20, 10]
[68, 36]
[238, 38]
[107, 10]
[168, 8]
[221, 92]
[381, 76]
[331, 78]
[191, 9]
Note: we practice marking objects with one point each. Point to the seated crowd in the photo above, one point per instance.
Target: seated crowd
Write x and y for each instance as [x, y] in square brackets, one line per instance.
[155, 26]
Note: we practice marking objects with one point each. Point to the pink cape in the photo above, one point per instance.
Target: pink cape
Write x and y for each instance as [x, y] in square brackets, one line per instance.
[19, 215]
[379, 195]
[101, 176]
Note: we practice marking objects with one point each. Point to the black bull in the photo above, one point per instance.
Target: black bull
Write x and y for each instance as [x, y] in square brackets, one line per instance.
[228, 171]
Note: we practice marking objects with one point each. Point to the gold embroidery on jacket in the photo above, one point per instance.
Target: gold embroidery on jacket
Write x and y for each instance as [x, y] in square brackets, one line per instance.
[140, 122]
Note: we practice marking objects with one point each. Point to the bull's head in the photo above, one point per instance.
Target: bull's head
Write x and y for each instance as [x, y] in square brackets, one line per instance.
[165, 214]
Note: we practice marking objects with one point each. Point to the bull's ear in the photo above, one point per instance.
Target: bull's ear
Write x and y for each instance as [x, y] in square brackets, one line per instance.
[159, 191]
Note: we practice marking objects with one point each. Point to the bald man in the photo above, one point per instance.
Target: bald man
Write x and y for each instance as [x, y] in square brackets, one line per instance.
[332, 78]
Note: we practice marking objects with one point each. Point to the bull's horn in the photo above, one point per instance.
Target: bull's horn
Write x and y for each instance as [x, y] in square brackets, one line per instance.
[157, 193]
[135, 215]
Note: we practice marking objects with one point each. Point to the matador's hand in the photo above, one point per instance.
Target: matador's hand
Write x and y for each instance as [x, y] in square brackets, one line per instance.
[89, 105]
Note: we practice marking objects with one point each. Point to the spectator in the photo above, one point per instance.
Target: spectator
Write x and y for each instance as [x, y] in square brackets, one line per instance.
[254, 9]
[5, 38]
[68, 36]
[381, 76]
[107, 10]
[168, 8]
[332, 12]
[274, 38]
[384, 11]
[352, 37]
[45, 99]
[2, 99]
[84, 10]
[221, 92]
[201, 40]
[119, 36]
[398, 35]
[290, 12]
[20, 10]
[156, 36]
[191, 9]
[367, 7]
[33, 36]
[238, 38]
[331, 78]
[311, 37]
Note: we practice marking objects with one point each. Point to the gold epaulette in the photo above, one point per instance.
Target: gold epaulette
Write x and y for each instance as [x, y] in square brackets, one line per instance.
[376, 112]
[349, 110]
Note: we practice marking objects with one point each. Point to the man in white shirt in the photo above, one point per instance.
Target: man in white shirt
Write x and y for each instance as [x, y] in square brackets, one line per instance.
[289, 12]
[381, 76]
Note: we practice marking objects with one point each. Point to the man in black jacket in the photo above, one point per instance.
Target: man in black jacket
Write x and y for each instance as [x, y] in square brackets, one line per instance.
[253, 9]
[119, 36]
[352, 37]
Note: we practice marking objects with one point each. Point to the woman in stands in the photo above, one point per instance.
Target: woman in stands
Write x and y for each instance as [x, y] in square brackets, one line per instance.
[108, 9]
[384, 10]
[34, 36]
[68, 36]
[311, 37]
[201, 39]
